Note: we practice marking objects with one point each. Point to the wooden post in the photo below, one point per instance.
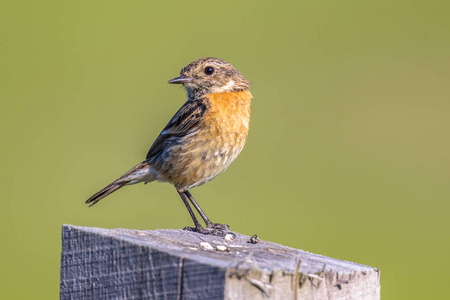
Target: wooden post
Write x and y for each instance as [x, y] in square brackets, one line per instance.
[101, 263]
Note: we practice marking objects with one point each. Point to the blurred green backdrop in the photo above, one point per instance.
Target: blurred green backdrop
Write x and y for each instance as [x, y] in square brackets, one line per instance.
[348, 153]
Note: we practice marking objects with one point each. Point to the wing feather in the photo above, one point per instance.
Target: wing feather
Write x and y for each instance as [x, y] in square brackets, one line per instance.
[184, 122]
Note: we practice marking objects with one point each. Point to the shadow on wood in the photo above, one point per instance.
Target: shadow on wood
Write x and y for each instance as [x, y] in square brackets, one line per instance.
[101, 263]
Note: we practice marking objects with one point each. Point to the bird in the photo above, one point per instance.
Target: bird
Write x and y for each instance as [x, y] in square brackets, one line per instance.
[201, 140]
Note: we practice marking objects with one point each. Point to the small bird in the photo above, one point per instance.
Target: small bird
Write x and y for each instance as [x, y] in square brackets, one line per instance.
[201, 140]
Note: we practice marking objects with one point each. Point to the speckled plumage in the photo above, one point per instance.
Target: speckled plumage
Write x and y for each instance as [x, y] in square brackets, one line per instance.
[194, 159]
[202, 139]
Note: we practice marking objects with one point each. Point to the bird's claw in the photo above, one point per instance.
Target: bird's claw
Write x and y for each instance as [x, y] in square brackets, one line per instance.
[209, 231]
[219, 226]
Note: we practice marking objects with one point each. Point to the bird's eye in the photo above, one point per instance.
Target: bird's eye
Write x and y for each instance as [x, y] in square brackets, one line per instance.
[209, 70]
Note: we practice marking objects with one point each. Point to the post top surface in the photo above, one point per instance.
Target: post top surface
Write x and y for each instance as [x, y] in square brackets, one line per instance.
[222, 252]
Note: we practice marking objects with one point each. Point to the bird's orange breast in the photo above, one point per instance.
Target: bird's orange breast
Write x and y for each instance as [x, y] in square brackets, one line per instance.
[229, 112]
[220, 137]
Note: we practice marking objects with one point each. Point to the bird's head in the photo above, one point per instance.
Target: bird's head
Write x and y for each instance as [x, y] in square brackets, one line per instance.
[210, 75]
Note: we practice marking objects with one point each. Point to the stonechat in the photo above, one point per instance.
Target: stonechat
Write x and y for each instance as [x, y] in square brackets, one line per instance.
[201, 140]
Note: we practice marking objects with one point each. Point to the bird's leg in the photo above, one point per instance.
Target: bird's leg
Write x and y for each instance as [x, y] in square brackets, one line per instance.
[208, 223]
[197, 224]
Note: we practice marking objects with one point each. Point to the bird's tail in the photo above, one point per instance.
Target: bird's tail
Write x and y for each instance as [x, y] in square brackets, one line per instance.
[140, 173]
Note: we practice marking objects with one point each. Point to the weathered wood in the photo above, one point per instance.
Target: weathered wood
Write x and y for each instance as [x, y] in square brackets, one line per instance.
[175, 264]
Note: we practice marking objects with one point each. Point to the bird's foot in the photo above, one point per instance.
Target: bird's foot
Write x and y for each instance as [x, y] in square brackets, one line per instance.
[218, 226]
[209, 231]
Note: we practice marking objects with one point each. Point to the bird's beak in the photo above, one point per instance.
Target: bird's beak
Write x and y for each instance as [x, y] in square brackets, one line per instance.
[181, 80]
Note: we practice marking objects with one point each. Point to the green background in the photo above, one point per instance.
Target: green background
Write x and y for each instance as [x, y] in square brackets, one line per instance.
[348, 153]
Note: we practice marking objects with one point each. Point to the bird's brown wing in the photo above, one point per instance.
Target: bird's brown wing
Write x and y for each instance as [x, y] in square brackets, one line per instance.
[184, 122]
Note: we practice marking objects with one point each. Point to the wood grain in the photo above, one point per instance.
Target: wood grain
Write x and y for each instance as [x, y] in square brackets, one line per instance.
[101, 263]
